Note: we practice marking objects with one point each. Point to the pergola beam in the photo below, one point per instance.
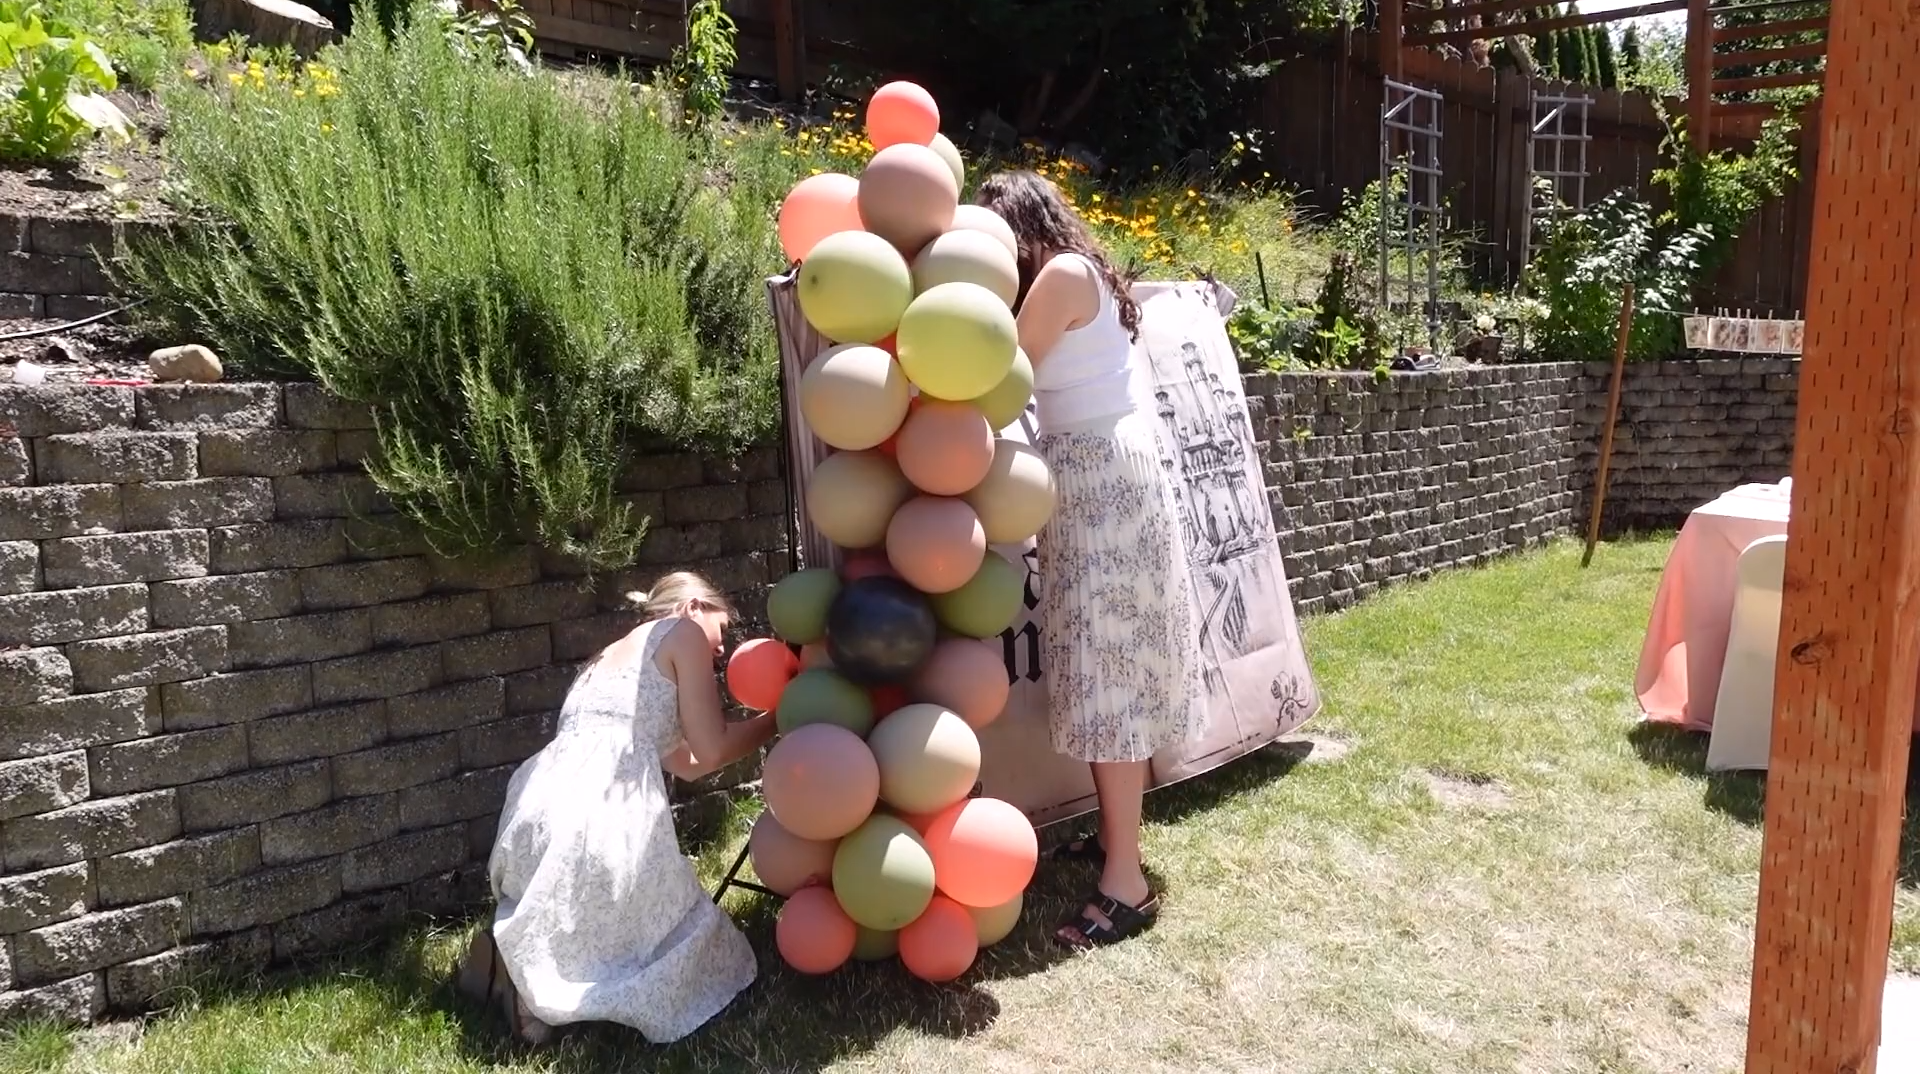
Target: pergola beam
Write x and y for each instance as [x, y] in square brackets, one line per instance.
[1850, 634]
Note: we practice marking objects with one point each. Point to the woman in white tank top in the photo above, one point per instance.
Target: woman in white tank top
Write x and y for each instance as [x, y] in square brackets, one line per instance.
[1120, 652]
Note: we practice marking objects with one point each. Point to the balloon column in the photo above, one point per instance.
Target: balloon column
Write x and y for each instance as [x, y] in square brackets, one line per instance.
[869, 828]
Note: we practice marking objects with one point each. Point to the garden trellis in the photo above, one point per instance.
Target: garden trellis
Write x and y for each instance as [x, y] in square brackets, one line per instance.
[1410, 115]
[1557, 129]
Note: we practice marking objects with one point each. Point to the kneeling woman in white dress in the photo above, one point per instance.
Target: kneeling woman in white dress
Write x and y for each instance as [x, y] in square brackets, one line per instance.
[600, 916]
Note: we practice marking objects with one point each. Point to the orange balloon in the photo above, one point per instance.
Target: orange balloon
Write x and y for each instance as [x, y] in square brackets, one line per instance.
[902, 112]
[890, 344]
[919, 822]
[941, 943]
[783, 861]
[886, 699]
[945, 448]
[859, 565]
[816, 207]
[967, 676]
[759, 670]
[936, 544]
[814, 935]
[820, 781]
[984, 851]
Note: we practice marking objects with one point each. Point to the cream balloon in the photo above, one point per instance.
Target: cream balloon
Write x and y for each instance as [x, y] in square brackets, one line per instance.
[1016, 497]
[967, 256]
[1009, 398]
[981, 218]
[854, 396]
[928, 758]
[853, 496]
[996, 923]
[950, 153]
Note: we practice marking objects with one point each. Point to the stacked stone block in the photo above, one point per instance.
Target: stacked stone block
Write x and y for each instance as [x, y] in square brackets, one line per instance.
[244, 714]
[1375, 482]
[50, 267]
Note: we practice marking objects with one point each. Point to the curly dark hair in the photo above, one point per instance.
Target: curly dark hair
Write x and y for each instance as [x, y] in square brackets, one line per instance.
[1043, 222]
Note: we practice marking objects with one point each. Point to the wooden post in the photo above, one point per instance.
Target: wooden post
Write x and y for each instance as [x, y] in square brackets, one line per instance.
[1850, 633]
[789, 50]
[1699, 60]
[1391, 61]
[1621, 336]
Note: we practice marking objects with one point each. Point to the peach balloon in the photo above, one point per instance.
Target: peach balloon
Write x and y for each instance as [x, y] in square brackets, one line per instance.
[853, 495]
[816, 207]
[758, 672]
[907, 196]
[853, 396]
[1016, 495]
[820, 781]
[813, 934]
[984, 851]
[967, 676]
[783, 861]
[943, 448]
[936, 544]
[902, 112]
[941, 943]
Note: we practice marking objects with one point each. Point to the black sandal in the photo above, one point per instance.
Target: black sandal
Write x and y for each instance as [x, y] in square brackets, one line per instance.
[493, 985]
[1123, 921]
[1087, 850]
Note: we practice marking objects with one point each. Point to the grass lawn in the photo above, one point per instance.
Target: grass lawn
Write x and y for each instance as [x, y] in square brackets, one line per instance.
[1476, 861]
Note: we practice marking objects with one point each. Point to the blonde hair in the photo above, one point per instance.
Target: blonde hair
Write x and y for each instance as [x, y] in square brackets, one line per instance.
[673, 591]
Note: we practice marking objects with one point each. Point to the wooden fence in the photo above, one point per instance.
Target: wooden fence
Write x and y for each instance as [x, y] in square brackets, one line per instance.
[1320, 115]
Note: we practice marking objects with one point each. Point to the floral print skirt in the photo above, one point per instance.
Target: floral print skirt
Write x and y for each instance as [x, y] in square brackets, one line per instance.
[1121, 646]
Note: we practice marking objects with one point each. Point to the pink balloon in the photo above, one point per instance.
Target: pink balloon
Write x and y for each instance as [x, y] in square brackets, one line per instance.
[944, 448]
[783, 861]
[967, 676]
[820, 781]
[816, 207]
[902, 112]
[984, 851]
[936, 544]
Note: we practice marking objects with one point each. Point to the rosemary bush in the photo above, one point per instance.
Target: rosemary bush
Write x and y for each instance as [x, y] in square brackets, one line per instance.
[528, 286]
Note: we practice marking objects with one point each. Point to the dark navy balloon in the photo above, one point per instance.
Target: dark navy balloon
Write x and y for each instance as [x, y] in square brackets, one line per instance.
[879, 630]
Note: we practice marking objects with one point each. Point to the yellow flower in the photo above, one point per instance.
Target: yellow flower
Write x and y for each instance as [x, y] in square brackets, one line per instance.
[236, 79]
[326, 128]
[815, 171]
[298, 93]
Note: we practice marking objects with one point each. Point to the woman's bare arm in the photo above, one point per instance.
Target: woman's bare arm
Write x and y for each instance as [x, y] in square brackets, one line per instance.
[1064, 295]
[712, 742]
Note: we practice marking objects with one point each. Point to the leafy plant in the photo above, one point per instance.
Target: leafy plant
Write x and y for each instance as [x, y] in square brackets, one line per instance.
[701, 67]
[1721, 190]
[52, 83]
[501, 32]
[1581, 269]
[527, 293]
[149, 40]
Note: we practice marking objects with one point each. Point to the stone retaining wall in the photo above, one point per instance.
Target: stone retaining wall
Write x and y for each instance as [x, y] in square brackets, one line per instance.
[50, 266]
[242, 715]
[1375, 482]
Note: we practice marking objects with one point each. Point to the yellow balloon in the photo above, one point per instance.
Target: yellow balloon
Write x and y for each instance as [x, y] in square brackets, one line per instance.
[853, 287]
[957, 341]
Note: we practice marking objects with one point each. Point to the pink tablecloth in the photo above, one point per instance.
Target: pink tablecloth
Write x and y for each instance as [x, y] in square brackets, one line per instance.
[1687, 638]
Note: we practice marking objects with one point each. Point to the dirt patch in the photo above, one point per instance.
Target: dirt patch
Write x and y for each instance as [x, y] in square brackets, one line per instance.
[1313, 749]
[100, 351]
[1467, 790]
[124, 181]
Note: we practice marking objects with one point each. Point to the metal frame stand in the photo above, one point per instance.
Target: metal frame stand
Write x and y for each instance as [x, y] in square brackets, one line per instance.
[1551, 114]
[1414, 113]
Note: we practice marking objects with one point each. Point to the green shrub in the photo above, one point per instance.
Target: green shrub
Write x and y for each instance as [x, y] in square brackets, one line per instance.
[51, 82]
[530, 279]
[148, 39]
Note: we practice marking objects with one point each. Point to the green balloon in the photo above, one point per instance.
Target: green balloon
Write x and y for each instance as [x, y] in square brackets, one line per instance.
[872, 945]
[883, 875]
[797, 607]
[822, 695]
[1008, 400]
[987, 604]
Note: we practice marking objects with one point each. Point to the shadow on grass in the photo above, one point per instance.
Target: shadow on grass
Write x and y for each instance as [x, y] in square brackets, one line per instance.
[1743, 795]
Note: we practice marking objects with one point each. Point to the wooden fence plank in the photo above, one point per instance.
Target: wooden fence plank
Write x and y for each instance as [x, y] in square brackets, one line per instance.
[1850, 635]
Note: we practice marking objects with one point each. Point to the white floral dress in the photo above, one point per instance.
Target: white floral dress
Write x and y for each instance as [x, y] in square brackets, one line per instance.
[600, 916]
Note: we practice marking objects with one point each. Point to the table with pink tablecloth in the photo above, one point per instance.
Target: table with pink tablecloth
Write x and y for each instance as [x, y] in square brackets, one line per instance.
[1692, 611]
[1680, 662]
